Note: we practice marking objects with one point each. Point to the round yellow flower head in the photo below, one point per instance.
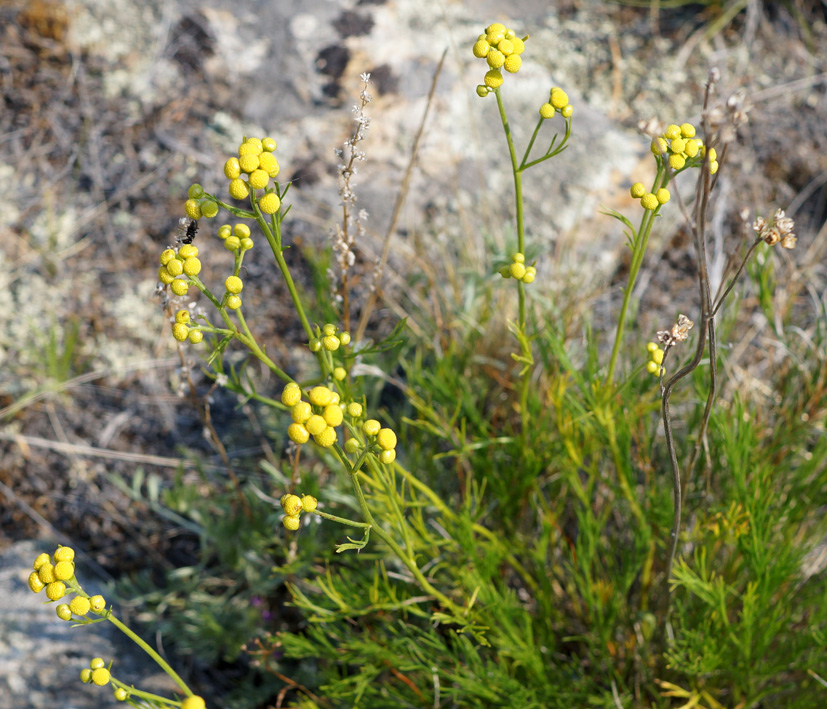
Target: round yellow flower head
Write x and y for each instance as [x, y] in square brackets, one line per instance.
[663, 195]
[547, 111]
[506, 46]
[309, 503]
[678, 145]
[558, 98]
[692, 147]
[195, 336]
[192, 267]
[233, 302]
[676, 162]
[530, 274]
[64, 570]
[179, 287]
[301, 411]
[339, 373]
[649, 201]
[41, 560]
[268, 144]
[331, 343]
[98, 603]
[55, 590]
[320, 396]
[209, 209]
[567, 111]
[121, 694]
[175, 267]
[187, 251]
[387, 457]
[270, 203]
[371, 427]
[656, 356]
[354, 409]
[315, 425]
[333, 415]
[652, 367]
[344, 338]
[233, 284]
[659, 146]
[291, 504]
[100, 677]
[85, 675]
[519, 44]
[180, 331]
[493, 79]
[64, 612]
[80, 605]
[687, 130]
[352, 446]
[297, 433]
[268, 163]
[495, 59]
[326, 438]
[512, 63]
[516, 270]
[638, 190]
[290, 522]
[713, 167]
[672, 131]
[35, 584]
[248, 163]
[166, 256]
[193, 209]
[250, 147]
[652, 346]
[62, 554]
[481, 48]
[238, 189]
[259, 179]
[291, 395]
[386, 439]
[232, 169]
[46, 573]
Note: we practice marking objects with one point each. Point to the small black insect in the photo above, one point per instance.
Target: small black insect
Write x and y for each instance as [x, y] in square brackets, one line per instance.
[192, 230]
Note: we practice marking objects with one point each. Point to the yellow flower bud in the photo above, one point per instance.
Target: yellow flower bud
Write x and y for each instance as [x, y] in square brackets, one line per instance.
[100, 676]
[238, 189]
[166, 256]
[290, 522]
[232, 243]
[64, 570]
[652, 346]
[233, 284]
[248, 163]
[339, 373]
[638, 190]
[64, 612]
[481, 48]
[326, 438]
[193, 209]
[80, 605]
[41, 560]
[567, 111]
[517, 270]
[386, 439]
[232, 169]
[55, 590]
[175, 267]
[268, 163]
[354, 409]
[320, 396]
[268, 144]
[98, 603]
[678, 145]
[35, 584]
[657, 356]
[687, 130]
[333, 415]
[493, 79]
[195, 336]
[482, 90]
[371, 427]
[547, 111]
[46, 573]
[259, 179]
[344, 338]
[233, 302]
[192, 267]
[291, 394]
[182, 316]
[659, 146]
[179, 287]
[249, 148]
[315, 425]
[663, 195]
[495, 59]
[298, 433]
[64, 554]
[291, 504]
[512, 63]
[331, 343]
[713, 167]
[180, 331]
[506, 46]
[692, 147]
[387, 457]
[352, 446]
[652, 367]
[270, 203]
[672, 131]
[649, 201]
[558, 98]
[676, 162]
[309, 503]
[530, 274]
[301, 412]
[209, 209]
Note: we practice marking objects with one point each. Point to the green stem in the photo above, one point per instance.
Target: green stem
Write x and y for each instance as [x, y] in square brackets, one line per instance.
[140, 694]
[149, 651]
[341, 520]
[638, 252]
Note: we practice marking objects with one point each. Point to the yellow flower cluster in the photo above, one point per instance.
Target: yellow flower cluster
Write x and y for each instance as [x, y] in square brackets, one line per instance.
[319, 417]
[501, 48]
[54, 577]
[517, 269]
[252, 170]
[330, 339]
[177, 265]
[384, 440]
[681, 148]
[653, 366]
[293, 506]
[97, 673]
[236, 238]
[650, 200]
[198, 204]
[181, 328]
[558, 102]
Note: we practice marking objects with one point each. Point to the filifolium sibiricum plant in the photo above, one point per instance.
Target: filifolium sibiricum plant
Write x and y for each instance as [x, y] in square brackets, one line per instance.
[506, 541]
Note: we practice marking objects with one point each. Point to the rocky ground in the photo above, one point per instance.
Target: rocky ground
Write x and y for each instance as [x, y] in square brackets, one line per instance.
[112, 108]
